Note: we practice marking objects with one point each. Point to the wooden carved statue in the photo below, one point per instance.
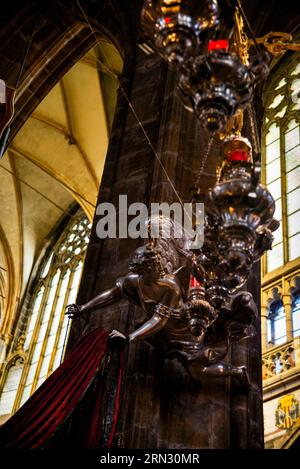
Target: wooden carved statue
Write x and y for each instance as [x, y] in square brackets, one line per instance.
[177, 314]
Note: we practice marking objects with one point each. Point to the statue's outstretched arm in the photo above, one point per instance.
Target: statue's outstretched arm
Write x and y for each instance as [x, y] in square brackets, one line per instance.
[149, 328]
[105, 298]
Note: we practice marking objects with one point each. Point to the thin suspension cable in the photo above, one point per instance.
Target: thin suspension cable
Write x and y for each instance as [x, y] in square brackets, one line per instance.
[24, 59]
[152, 148]
[135, 115]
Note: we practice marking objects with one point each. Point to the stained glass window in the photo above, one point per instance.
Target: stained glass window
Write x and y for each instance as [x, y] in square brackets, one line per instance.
[277, 324]
[47, 325]
[281, 148]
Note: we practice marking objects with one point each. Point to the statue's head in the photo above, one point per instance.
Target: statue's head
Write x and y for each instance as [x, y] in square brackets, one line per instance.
[146, 261]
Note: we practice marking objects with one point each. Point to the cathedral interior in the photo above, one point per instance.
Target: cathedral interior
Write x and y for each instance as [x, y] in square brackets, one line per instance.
[96, 104]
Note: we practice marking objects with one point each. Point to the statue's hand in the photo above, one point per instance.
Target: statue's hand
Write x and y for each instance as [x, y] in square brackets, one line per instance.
[117, 335]
[73, 311]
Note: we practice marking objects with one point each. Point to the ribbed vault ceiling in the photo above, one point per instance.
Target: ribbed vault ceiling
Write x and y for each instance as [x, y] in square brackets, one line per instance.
[55, 159]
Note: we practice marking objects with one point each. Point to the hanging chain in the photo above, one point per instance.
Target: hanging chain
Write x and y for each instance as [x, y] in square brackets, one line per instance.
[253, 129]
[203, 162]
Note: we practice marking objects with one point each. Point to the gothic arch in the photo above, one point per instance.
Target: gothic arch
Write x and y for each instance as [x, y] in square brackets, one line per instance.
[43, 327]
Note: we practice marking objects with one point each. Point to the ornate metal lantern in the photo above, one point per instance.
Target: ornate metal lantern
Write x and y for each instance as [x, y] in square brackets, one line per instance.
[216, 85]
[173, 28]
[239, 222]
[201, 314]
[206, 43]
[216, 79]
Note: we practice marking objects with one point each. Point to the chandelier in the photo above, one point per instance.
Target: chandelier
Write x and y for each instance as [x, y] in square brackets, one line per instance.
[238, 223]
[175, 28]
[218, 85]
[202, 41]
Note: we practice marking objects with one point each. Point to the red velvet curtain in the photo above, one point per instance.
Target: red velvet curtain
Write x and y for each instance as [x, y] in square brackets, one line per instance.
[69, 408]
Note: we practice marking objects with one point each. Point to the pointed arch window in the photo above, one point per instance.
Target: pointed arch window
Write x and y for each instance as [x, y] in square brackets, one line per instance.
[281, 155]
[47, 326]
[13, 375]
[276, 324]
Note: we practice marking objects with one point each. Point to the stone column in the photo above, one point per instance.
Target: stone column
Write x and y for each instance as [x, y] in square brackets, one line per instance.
[246, 429]
[5, 341]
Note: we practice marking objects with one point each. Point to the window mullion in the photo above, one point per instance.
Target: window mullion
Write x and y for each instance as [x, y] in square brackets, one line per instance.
[272, 330]
[283, 196]
[50, 327]
[263, 181]
[47, 332]
[61, 322]
[32, 347]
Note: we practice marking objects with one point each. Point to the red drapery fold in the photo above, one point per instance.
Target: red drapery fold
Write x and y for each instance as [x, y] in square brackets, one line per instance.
[75, 391]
